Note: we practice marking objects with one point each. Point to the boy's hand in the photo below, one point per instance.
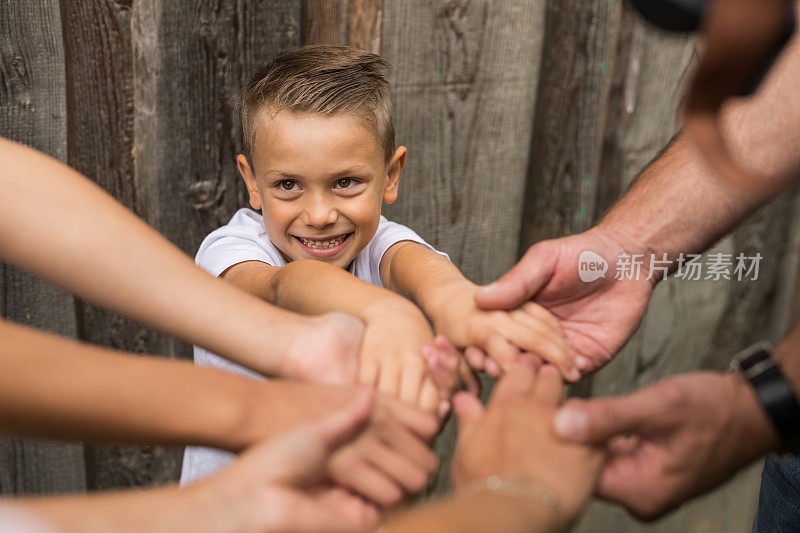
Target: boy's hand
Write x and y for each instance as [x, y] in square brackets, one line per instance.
[495, 340]
[392, 354]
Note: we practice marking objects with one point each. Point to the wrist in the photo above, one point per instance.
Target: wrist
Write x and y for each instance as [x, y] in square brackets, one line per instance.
[445, 297]
[390, 306]
[513, 512]
[617, 239]
[755, 430]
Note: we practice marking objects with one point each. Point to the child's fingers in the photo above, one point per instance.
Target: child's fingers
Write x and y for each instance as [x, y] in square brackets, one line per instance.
[493, 368]
[368, 373]
[502, 351]
[475, 357]
[541, 314]
[429, 396]
[553, 349]
[389, 378]
[439, 370]
[411, 379]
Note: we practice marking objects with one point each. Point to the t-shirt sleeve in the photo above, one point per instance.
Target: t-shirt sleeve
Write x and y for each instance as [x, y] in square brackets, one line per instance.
[388, 234]
[241, 239]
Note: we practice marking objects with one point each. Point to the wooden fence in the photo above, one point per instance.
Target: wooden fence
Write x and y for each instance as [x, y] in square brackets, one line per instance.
[524, 120]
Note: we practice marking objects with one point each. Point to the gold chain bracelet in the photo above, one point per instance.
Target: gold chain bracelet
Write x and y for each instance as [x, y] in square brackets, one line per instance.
[519, 489]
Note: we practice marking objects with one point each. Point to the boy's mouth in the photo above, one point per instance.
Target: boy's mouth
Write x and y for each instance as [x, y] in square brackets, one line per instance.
[324, 247]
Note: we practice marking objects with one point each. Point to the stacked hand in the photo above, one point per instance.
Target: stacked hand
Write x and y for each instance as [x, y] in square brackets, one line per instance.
[597, 317]
[494, 340]
[279, 485]
[513, 438]
[670, 441]
[397, 342]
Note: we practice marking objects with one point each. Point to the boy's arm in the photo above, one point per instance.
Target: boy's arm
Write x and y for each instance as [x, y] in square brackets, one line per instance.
[396, 330]
[447, 298]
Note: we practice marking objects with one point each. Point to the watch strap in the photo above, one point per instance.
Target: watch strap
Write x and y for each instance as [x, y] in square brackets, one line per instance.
[759, 366]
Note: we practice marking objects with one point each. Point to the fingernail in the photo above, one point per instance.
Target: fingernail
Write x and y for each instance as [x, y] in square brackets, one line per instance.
[581, 362]
[574, 374]
[570, 424]
[488, 288]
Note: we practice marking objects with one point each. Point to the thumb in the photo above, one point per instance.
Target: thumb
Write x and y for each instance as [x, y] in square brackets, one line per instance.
[298, 457]
[469, 410]
[597, 421]
[523, 281]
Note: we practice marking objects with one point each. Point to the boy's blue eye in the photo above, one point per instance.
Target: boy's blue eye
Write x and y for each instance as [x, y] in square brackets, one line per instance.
[344, 183]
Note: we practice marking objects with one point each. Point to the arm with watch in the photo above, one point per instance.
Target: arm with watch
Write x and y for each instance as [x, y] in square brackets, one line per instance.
[684, 435]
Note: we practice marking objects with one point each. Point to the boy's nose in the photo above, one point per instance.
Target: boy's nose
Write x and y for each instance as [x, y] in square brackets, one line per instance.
[320, 213]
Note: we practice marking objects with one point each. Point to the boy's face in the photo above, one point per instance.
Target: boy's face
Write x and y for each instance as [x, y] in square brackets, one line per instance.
[320, 181]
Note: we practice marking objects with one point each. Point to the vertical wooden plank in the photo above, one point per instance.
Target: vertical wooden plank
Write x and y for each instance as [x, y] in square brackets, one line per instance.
[99, 64]
[33, 111]
[574, 86]
[463, 105]
[355, 23]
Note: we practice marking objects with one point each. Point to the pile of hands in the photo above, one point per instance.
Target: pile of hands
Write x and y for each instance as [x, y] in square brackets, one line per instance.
[533, 328]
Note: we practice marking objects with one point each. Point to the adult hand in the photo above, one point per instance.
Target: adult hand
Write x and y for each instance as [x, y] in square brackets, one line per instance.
[513, 438]
[599, 316]
[391, 457]
[277, 486]
[670, 441]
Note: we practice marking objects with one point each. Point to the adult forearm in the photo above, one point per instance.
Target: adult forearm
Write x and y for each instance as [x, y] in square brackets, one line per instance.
[56, 223]
[57, 388]
[165, 510]
[679, 205]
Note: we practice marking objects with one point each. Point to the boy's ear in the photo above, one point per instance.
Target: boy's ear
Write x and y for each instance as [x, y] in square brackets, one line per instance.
[393, 172]
[249, 181]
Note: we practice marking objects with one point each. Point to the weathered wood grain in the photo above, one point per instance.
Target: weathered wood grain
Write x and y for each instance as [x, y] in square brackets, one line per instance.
[33, 111]
[578, 63]
[99, 61]
[464, 85]
[352, 22]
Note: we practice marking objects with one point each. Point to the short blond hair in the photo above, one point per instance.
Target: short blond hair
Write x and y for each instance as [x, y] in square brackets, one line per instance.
[322, 79]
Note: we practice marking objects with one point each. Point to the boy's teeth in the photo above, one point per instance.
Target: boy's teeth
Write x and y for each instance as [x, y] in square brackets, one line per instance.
[323, 244]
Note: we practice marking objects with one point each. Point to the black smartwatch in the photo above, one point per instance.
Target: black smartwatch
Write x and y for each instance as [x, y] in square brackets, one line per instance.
[759, 366]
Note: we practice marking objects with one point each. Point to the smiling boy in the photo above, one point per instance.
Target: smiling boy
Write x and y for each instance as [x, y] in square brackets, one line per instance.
[320, 160]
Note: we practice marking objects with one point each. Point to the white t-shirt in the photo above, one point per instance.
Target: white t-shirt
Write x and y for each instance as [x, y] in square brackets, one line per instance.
[244, 238]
